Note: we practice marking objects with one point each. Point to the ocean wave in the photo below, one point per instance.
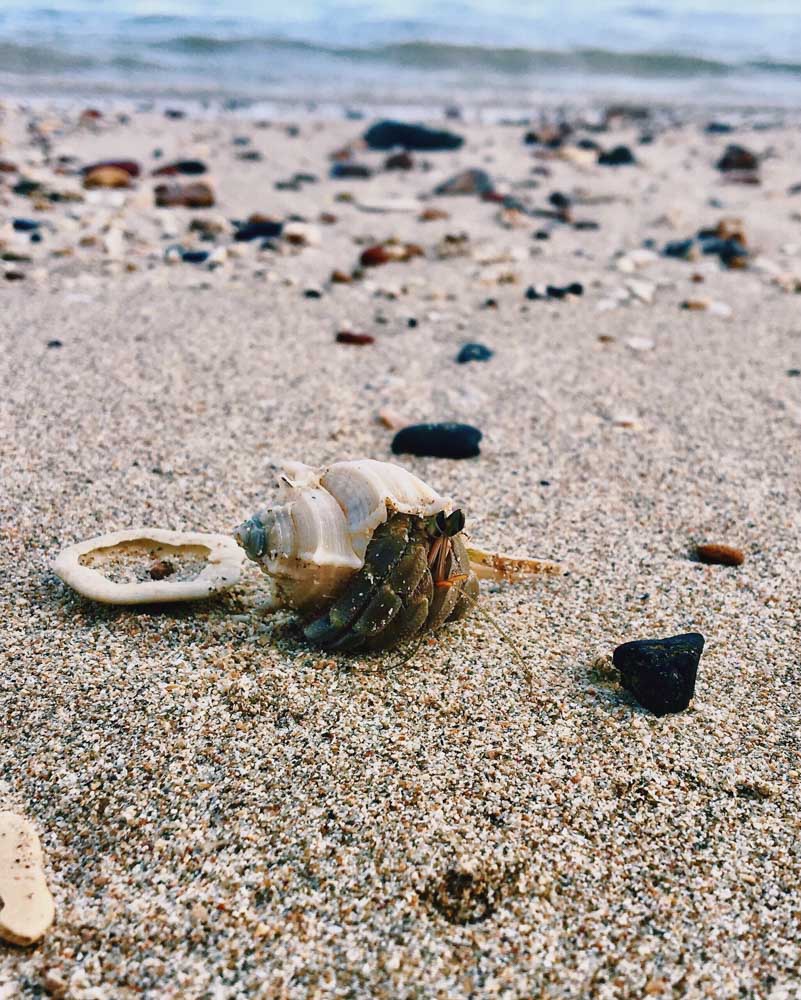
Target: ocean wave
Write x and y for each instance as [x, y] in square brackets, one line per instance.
[16, 58]
[426, 55]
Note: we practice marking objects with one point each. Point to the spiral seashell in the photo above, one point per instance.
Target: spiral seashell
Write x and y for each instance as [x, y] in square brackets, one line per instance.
[314, 539]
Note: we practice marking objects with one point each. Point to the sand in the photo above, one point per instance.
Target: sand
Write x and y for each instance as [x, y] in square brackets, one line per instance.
[226, 812]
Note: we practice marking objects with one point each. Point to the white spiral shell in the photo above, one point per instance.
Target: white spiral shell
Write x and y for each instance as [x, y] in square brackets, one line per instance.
[314, 539]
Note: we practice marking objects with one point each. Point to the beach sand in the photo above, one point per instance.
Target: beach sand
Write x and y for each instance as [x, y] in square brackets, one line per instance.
[226, 812]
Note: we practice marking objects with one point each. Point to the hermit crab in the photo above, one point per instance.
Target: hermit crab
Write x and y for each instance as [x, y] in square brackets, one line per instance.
[368, 554]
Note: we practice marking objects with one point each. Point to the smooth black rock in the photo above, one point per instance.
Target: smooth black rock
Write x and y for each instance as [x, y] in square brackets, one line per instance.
[25, 225]
[679, 248]
[194, 256]
[737, 158]
[258, 230]
[620, 156]
[385, 135]
[661, 673]
[727, 250]
[718, 128]
[438, 440]
[351, 171]
[560, 291]
[475, 352]
[55, 343]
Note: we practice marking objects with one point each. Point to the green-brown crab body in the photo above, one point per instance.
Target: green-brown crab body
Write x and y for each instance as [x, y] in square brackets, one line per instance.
[413, 580]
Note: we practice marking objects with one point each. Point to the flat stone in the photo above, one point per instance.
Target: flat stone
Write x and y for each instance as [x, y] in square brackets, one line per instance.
[446, 440]
[27, 905]
[81, 566]
[385, 135]
[660, 673]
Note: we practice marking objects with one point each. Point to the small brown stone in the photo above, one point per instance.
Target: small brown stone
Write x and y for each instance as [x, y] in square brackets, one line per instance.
[375, 255]
[719, 555]
[107, 177]
[197, 195]
[161, 569]
[340, 278]
[327, 218]
[433, 215]
[695, 305]
[348, 337]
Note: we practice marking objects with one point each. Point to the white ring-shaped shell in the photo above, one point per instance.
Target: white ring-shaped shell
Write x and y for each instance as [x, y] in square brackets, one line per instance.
[222, 555]
[316, 537]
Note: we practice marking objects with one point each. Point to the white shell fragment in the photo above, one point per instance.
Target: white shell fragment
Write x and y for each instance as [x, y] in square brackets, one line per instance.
[26, 906]
[85, 566]
[315, 537]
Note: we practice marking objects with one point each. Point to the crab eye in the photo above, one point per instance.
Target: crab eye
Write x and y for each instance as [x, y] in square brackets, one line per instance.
[441, 523]
[454, 523]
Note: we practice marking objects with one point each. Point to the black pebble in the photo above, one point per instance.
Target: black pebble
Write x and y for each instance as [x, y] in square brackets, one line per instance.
[25, 225]
[350, 171]
[411, 322]
[438, 440]
[385, 135]
[312, 293]
[661, 673]
[55, 343]
[678, 248]
[718, 128]
[793, 372]
[620, 156]
[258, 230]
[194, 256]
[473, 352]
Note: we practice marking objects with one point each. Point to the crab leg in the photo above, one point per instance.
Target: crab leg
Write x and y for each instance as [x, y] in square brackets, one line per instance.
[494, 566]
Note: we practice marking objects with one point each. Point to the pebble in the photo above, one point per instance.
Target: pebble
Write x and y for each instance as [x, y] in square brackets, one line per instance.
[619, 156]
[445, 440]
[661, 673]
[258, 227]
[719, 555]
[474, 352]
[348, 337]
[737, 158]
[27, 906]
[636, 260]
[130, 167]
[554, 291]
[640, 343]
[350, 171]
[383, 253]
[384, 135]
[399, 161]
[194, 256]
[25, 225]
[189, 168]
[107, 177]
[433, 215]
[196, 195]
[472, 181]
[161, 569]
[302, 234]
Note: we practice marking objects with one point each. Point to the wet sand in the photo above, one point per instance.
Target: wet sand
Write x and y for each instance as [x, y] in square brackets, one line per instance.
[226, 812]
